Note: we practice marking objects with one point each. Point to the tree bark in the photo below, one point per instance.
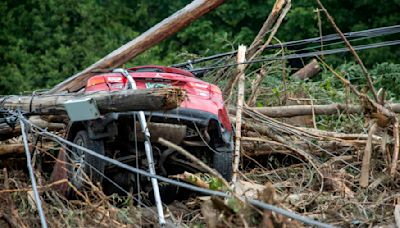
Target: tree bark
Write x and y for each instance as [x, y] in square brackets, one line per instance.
[117, 101]
[151, 37]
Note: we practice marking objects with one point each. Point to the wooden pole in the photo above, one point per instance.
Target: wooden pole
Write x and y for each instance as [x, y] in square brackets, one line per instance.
[150, 38]
[127, 100]
[241, 57]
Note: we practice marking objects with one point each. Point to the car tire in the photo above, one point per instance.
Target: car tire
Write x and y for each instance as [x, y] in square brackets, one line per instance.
[222, 162]
[81, 161]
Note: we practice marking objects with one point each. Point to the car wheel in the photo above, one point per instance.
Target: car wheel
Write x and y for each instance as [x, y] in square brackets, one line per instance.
[222, 162]
[83, 164]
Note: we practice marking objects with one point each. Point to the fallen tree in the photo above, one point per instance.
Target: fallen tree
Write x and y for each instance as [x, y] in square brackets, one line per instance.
[127, 100]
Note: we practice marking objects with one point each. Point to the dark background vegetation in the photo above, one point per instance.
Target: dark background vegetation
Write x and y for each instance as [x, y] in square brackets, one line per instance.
[43, 42]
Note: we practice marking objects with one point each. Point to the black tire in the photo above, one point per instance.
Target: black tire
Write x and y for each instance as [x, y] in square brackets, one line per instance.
[222, 162]
[80, 161]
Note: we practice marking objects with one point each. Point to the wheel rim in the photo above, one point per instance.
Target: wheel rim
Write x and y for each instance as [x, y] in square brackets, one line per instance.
[78, 164]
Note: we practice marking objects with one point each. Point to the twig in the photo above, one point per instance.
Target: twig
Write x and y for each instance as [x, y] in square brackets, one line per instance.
[256, 87]
[192, 158]
[30, 189]
[363, 96]
[241, 57]
[359, 61]
[383, 146]
[364, 178]
[12, 217]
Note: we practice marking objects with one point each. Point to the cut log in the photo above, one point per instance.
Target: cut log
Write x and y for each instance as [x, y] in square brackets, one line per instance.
[18, 149]
[128, 100]
[12, 149]
[304, 110]
[308, 71]
[151, 37]
[7, 132]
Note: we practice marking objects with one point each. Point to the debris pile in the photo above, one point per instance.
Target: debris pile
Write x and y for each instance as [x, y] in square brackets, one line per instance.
[338, 178]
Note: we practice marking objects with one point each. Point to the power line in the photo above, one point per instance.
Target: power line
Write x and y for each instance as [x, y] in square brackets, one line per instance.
[32, 175]
[369, 33]
[303, 55]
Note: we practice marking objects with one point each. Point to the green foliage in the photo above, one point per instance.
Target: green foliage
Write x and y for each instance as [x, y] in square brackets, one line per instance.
[387, 75]
[43, 42]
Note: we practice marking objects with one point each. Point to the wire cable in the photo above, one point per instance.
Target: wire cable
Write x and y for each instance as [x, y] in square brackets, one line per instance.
[304, 55]
[258, 203]
[32, 176]
[369, 33]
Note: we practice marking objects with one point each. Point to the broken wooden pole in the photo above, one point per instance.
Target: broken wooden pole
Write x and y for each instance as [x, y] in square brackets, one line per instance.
[116, 101]
[151, 37]
[241, 57]
[366, 161]
[308, 71]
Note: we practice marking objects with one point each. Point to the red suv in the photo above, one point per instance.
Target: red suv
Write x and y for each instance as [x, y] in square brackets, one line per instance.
[200, 125]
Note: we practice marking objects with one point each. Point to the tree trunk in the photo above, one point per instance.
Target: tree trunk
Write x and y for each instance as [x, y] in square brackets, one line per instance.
[117, 101]
[151, 37]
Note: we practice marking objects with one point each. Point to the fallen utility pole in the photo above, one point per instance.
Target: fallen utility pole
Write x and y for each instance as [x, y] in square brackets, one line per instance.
[304, 110]
[129, 100]
[150, 38]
